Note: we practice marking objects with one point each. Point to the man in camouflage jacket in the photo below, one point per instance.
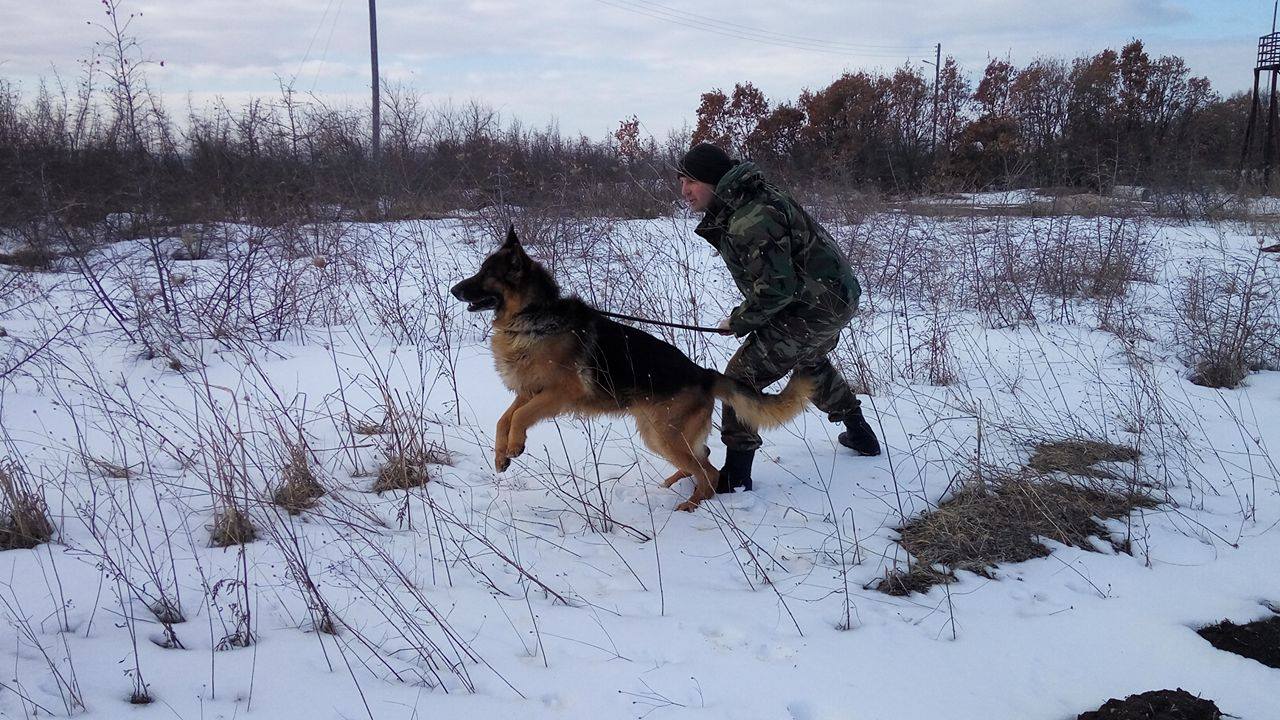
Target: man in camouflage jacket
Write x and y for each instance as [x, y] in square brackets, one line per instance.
[799, 293]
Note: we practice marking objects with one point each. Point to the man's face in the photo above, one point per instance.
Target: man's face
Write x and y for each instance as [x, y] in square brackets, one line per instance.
[697, 194]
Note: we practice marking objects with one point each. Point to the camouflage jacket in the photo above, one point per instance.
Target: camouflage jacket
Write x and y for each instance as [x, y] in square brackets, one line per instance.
[786, 264]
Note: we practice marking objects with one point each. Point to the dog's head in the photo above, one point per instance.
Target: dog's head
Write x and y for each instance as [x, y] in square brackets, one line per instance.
[507, 281]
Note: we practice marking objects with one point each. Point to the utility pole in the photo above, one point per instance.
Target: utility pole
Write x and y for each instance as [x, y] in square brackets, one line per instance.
[373, 52]
[937, 74]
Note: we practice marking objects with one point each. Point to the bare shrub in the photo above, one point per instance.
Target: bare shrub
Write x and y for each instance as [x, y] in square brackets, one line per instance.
[1198, 202]
[24, 516]
[1227, 322]
[255, 294]
[197, 242]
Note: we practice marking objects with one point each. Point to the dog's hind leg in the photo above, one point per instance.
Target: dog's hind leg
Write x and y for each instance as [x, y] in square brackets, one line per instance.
[500, 437]
[705, 475]
[692, 439]
[682, 440]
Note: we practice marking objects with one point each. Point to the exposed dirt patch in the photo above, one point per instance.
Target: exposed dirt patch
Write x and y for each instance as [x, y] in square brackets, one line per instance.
[1258, 640]
[1156, 705]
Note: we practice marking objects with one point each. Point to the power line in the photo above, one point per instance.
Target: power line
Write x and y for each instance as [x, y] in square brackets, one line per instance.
[316, 78]
[743, 32]
[749, 29]
[757, 37]
[306, 55]
[739, 35]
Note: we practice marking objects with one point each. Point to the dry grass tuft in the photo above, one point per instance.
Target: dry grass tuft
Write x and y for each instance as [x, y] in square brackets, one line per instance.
[411, 468]
[916, 578]
[1079, 456]
[232, 527]
[1221, 372]
[167, 612]
[24, 517]
[109, 469]
[299, 489]
[1003, 521]
[30, 259]
[368, 427]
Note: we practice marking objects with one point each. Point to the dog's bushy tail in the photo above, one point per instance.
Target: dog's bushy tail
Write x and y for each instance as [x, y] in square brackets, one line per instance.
[760, 410]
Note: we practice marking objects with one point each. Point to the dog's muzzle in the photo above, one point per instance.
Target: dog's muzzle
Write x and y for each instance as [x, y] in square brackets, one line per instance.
[477, 299]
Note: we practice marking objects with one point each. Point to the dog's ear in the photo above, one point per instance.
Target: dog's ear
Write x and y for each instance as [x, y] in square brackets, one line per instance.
[512, 240]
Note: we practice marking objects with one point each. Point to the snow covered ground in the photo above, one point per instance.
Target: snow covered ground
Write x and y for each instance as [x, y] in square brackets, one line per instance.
[567, 587]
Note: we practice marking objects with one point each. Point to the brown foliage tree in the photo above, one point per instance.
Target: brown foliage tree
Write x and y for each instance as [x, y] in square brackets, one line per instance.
[992, 95]
[730, 121]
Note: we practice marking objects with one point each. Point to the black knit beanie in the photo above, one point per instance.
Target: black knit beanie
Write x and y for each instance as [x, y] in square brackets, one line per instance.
[706, 163]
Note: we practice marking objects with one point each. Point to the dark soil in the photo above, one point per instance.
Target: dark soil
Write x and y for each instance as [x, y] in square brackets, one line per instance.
[1259, 640]
[1156, 705]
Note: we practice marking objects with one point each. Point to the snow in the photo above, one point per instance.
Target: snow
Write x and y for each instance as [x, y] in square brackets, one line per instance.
[756, 606]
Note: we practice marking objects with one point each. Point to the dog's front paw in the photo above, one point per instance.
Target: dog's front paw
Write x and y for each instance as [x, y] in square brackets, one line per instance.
[687, 506]
[515, 450]
[501, 460]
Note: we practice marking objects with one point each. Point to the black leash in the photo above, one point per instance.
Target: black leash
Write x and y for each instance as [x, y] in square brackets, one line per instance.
[695, 328]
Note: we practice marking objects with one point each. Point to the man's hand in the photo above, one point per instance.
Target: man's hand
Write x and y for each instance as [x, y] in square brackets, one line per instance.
[724, 327]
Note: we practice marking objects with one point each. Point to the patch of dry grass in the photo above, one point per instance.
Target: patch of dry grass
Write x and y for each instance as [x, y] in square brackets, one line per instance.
[24, 517]
[1080, 457]
[109, 469]
[30, 259]
[410, 468]
[916, 578]
[366, 426]
[298, 489]
[232, 527]
[1003, 520]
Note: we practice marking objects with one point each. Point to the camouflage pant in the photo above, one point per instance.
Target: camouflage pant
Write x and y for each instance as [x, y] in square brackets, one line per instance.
[789, 346]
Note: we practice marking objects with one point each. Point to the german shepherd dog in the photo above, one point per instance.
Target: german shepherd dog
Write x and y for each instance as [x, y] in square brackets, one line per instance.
[559, 355]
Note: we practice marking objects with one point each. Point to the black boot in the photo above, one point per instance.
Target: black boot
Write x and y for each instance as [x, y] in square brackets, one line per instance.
[858, 436]
[736, 471]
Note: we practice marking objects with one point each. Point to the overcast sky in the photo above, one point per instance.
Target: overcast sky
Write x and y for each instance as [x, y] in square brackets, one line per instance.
[589, 63]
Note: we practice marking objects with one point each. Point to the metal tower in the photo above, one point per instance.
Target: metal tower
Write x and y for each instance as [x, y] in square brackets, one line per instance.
[1269, 62]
